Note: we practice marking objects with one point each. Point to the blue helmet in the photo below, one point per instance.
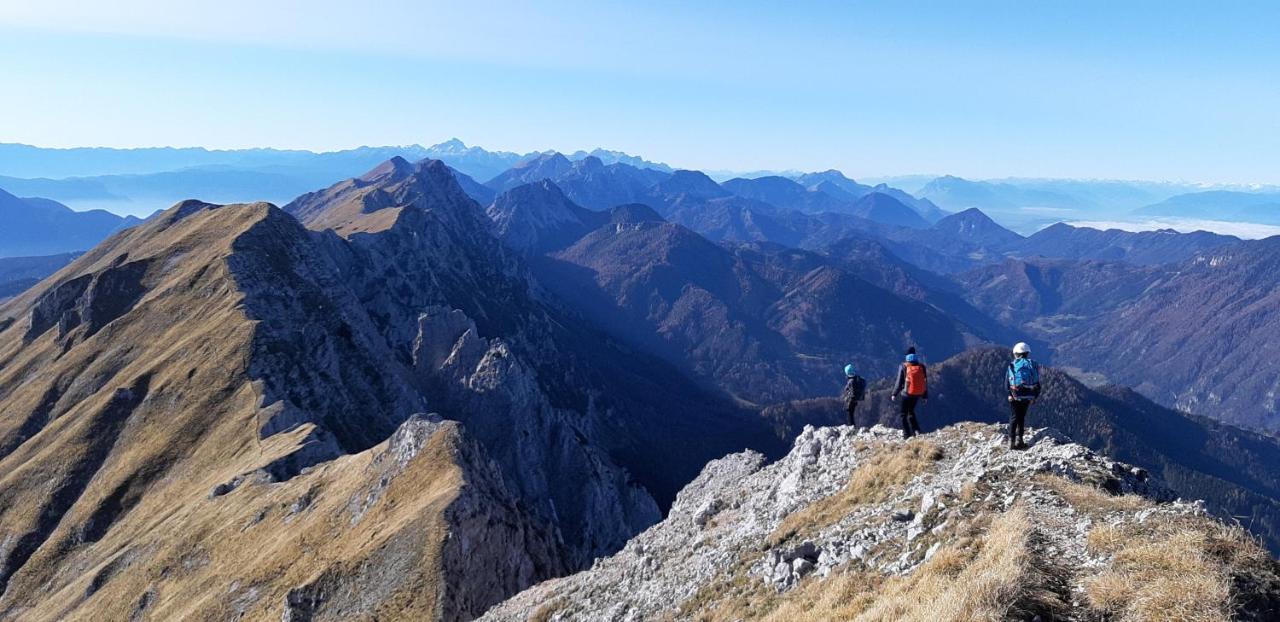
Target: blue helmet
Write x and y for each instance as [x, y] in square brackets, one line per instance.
[911, 358]
[849, 371]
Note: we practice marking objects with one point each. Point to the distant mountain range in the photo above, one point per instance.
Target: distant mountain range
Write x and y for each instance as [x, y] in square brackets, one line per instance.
[1143, 247]
[18, 274]
[772, 208]
[17, 160]
[1196, 334]
[1028, 204]
[141, 181]
[45, 227]
[1202, 338]
[543, 204]
[1258, 207]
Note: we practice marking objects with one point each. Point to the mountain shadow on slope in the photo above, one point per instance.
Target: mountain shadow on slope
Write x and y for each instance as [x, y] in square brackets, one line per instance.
[761, 323]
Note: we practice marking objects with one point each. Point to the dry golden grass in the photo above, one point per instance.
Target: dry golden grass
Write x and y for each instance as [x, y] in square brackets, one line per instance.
[736, 597]
[997, 577]
[875, 481]
[1091, 499]
[1106, 539]
[990, 571]
[1170, 568]
[544, 613]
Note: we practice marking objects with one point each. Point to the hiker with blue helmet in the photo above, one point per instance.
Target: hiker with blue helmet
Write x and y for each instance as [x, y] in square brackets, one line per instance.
[913, 386]
[855, 388]
[1022, 378]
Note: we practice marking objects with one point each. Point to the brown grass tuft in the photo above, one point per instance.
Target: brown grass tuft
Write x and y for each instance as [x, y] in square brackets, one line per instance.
[544, 613]
[990, 571]
[1170, 567]
[998, 576]
[1091, 499]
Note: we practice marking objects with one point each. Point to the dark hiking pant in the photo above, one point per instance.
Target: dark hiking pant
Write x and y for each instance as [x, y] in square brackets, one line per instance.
[849, 408]
[910, 427]
[1017, 420]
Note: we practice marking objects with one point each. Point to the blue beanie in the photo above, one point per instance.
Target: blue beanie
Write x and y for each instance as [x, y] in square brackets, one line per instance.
[911, 358]
[849, 370]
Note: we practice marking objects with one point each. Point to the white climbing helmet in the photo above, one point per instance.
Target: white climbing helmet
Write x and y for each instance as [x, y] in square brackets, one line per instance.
[1021, 348]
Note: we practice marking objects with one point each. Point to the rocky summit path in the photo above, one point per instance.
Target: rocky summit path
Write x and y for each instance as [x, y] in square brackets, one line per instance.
[967, 527]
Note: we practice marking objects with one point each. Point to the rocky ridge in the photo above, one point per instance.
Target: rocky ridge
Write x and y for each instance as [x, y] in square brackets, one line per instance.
[847, 506]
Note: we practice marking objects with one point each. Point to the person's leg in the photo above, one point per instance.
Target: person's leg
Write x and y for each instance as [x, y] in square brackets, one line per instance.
[915, 423]
[907, 405]
[852, 406]
[1022, 423]
[1020, 420]
[1013, 424]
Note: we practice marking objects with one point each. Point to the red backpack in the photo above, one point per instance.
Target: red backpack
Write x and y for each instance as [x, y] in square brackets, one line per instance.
[915, 379]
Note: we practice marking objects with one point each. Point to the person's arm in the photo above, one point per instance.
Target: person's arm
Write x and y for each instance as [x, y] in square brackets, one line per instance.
[1008, 381]
[902, 380]
[1035, 396]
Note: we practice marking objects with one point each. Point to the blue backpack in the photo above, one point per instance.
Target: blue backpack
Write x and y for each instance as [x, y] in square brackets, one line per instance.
[1024, 378]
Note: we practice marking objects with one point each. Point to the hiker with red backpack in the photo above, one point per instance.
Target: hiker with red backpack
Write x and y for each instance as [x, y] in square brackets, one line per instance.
[1022, 378]
[913, 386]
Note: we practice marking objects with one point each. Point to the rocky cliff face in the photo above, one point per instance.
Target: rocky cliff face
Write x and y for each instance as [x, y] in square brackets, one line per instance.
[497, 395]
[859, 524]
[452, 540]
[459, 313]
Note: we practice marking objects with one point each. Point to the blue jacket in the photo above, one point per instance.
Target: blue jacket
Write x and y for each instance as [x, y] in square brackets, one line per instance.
[1027, 393]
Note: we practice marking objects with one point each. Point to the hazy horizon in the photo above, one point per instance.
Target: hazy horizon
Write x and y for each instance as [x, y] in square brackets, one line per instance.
[872, 178]
[1089, 91]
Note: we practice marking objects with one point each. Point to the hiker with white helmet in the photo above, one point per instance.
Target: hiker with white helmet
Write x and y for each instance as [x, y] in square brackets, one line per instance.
[855, 388]
[1022, 378]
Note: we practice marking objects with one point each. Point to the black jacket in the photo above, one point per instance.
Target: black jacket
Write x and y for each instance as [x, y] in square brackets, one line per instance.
[902, 380]
[855, 389]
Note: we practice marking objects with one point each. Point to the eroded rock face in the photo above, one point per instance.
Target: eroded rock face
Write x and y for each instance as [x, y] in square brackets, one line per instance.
[91, 300]
[483, 547]
[539, 446]
[316, 352]
[458, 311]
[770, 529]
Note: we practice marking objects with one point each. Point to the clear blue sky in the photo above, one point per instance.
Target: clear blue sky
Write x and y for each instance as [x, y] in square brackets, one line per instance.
[1143, 90]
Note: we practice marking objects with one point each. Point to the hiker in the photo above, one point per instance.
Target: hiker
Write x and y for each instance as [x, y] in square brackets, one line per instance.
[855, 388]
[913, 385]
[1023, 381]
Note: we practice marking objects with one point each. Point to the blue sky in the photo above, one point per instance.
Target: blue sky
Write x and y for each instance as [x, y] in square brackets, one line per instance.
[1136, 90]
